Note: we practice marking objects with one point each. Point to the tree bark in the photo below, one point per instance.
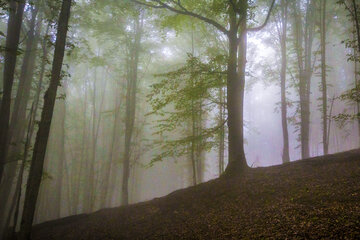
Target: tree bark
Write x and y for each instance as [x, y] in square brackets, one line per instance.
[84, 153]
[106, 190]
[221, 131]
[91, 175]
[17, 124]
[36, 168]
[323, 76]
[16, 10]
[235, 93]
[62, 155]
[131, 106]
[283, 37]
[18, 128]
[303, 45]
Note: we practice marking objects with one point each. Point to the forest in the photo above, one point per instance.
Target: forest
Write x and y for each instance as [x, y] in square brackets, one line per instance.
[179, 119]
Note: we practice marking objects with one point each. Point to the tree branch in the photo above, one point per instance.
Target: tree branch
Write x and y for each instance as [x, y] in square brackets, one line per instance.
[266, 20]
[236, 10]
[183, 11]
[147, 4]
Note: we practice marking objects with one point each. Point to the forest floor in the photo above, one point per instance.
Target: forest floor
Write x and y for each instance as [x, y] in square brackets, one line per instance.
[317, 198]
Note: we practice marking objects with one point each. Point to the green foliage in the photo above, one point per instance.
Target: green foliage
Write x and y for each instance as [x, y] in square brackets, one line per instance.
[351, 96]
[180, 98]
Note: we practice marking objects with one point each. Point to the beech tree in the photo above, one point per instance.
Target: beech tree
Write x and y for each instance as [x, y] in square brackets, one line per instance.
[168, 93]
[235, 28]
[303, 41]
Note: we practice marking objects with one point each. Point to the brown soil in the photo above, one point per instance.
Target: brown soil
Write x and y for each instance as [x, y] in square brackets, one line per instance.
[318, 198]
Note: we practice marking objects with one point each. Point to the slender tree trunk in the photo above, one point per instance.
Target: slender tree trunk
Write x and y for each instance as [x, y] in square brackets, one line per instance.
[36, 168]
[91, 175]
[330, 119]
[304, 36]
[193, 157]
[221, 131]
[114, 170]
[9, 233]
[323, 75]
[16, 10]
[199, 141]
[309, 30]
[62, 157]
[284, 13]
[193, 143]
[17, 125]
[106, 190]
[40, 83]
[33, 116]
[83, 159]
[68, 184]
[95, 135]
[357, 85]
[131, 107]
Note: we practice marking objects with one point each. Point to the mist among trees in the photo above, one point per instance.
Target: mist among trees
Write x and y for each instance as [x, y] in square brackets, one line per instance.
[105, 104]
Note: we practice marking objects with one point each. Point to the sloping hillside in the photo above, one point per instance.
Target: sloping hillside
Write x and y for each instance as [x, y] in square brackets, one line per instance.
[318, 198]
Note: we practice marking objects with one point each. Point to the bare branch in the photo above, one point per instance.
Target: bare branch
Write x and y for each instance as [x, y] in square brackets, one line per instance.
[182, 11]
[266, 20]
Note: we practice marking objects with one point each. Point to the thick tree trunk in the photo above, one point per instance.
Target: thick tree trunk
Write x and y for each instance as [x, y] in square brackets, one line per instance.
[235, 95]
[284, 12]
[37, 163]
[16, 10]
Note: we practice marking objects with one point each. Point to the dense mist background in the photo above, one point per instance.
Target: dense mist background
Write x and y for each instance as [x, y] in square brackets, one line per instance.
[112, 44]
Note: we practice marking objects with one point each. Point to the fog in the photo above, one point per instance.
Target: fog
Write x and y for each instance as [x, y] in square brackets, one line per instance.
[149, 85]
